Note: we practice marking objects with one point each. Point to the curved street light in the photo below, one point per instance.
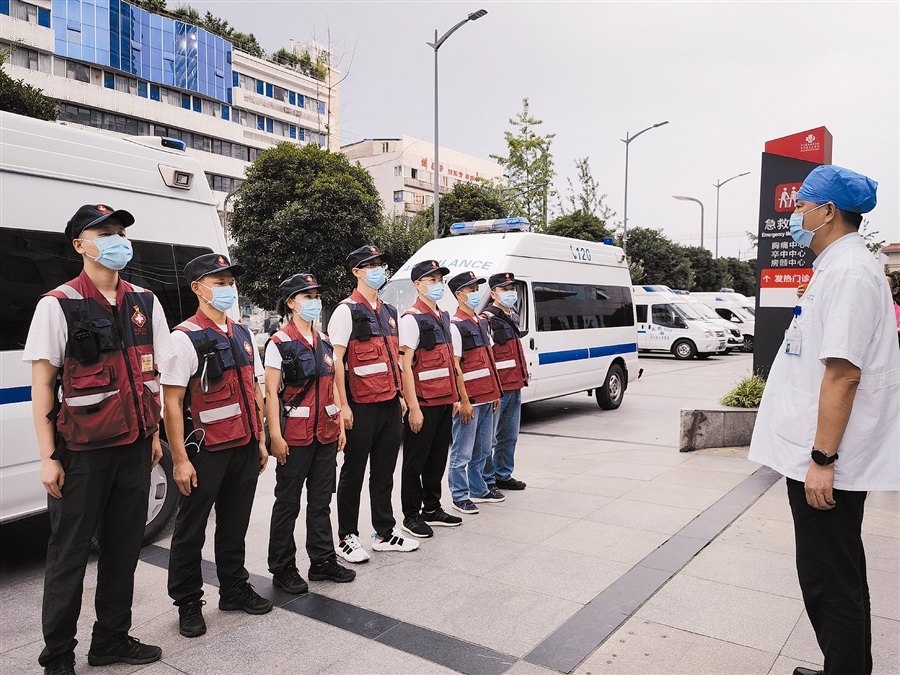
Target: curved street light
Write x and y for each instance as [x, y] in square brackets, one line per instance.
[437, 163]
[692, 199]
[720, 183]
[627, 141]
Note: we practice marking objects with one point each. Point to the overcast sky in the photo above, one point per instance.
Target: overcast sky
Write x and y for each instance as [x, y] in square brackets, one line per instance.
[727, 76]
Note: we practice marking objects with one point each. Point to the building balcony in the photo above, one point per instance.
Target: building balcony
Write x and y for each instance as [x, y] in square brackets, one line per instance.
[423, 185]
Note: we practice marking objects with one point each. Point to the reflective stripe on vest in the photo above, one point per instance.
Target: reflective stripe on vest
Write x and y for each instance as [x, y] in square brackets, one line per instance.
[508, 353]
[477, 360]
[434, 373]
[373, 351]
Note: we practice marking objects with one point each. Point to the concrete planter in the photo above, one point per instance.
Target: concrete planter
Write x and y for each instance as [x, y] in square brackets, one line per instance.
[717, 427]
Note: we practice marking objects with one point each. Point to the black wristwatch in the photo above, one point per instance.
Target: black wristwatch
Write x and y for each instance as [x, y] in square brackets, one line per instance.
[821, 458]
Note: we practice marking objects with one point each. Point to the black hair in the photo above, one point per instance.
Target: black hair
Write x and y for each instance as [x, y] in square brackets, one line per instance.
[852, 219]
[893, 279]
[282, 309]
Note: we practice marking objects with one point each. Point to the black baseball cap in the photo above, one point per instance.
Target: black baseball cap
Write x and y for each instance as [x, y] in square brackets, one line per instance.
[210, 263]
[464, 279]
[364, 254]
[92, 215]
[502, 279]
[426, 267]
[297, 284]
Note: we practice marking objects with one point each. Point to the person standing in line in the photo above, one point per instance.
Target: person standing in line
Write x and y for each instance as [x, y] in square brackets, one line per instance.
[479, 392]
[300, 393]
[828, 420]
[429, 388]
[364, 332]
[211, 386]
[98, 341]
[513, 371]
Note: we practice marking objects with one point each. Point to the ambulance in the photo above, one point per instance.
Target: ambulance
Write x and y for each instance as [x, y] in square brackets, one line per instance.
[47, 171]
[736, 308]
[575, 309]
[667, 323]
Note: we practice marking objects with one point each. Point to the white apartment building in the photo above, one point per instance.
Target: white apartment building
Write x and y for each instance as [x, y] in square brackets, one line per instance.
[122, 70]
[403, 170]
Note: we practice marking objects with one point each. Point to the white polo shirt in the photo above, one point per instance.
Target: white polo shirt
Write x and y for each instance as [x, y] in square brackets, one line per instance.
[846, 313]
[184, 363]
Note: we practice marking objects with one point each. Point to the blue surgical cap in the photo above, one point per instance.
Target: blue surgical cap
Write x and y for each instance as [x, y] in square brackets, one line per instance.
[846, 189]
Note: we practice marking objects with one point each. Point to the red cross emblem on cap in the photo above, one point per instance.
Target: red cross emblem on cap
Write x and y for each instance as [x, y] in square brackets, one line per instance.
[507, 277]
[374, 250]
[103, 209]
[222, 261]
[434, 264]
[471, 275]
[309, 279]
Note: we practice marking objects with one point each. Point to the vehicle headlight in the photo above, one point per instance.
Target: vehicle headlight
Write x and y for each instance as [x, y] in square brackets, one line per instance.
[709, 333]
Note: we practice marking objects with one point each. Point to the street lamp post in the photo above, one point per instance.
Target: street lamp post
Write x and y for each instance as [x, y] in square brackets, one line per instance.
[719, 184]
[437, 162]
[627, 141]
[691, 199]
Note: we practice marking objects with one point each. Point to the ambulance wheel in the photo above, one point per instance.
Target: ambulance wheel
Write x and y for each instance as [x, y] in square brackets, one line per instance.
[163, 498]
[684, 349]
[609, 396]
[748, 343]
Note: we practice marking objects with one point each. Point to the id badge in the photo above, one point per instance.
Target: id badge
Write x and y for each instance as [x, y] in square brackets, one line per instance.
[793, 341]
[146, 363]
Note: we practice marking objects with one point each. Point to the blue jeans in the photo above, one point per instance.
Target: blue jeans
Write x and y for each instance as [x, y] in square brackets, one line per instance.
[471, 447]
[499, 464]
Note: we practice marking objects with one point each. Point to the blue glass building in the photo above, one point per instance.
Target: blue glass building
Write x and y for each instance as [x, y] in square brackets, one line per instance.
[149, 46]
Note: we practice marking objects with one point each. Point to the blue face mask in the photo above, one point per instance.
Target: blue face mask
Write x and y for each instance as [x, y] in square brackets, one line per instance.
[473, 300]
[115, 251]
[798, 234]
[375, 277]
[508, 298]
[310, 309]
[435, 292]
[223, 297]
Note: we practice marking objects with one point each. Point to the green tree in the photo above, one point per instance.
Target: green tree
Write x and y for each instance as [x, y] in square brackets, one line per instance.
[588, 199]
[658, 260]
[301, 210]
[738, 274]
[709, 274]
[579, 225]
[466, 201]
[528, 163]
[23, 99]
[399, 237]
[870, 236]
[155, 6]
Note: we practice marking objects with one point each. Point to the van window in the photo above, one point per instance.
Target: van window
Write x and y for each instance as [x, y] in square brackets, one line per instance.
[32, 263]
[728, 314]
[665, 315]
[641, 313]
[577, 306]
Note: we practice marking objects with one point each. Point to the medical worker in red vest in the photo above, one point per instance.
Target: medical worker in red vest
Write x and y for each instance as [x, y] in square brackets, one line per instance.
[300, 395]
[429, 387]
[479, 393]
[212, 383]
[363, 330]
[513, 371]
[97, 341]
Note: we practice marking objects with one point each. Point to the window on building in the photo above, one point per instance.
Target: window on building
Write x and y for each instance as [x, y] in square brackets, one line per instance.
[279, 94]
[292, 98]
[198, 104]
[225, 112]
[260, 87]
[260, 122]
[269, 125]
[269, 93]
[186, 101]
[302, 135]
[24, 58]
[78, 71]
[322, 140]
[293, 131]
[142, 88]
[580, 306]
[300, 102]
[398, 171]
[321, 108]
[398, 195]
[385, 147]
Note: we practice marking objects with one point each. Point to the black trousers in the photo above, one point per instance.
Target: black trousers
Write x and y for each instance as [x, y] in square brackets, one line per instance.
[227, 480]
[425, 460]
[315, 465]
[108, 487]
[375, 437]
[831, 567]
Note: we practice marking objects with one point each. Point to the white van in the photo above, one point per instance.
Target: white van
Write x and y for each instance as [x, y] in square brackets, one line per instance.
[574, 308]
[665, 322]
[733, 307]
[47, 171]
[734, 340]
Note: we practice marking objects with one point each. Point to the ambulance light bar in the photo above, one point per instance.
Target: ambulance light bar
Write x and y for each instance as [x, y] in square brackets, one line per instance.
[499, 225]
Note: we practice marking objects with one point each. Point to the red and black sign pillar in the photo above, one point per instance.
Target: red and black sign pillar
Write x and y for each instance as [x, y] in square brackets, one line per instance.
[782, 264]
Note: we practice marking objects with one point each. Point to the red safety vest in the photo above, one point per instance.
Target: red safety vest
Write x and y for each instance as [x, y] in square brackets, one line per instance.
[307, 395]
[434, 370]
[508, 353]
[110, 396]
[479, 369]
[222, 409]
[373, 352]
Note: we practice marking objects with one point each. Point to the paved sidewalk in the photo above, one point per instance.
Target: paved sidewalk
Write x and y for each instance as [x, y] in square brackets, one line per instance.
[610, 505]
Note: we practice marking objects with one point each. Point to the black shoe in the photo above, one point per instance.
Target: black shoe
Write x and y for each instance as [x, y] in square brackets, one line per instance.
[807, 671]
[331, 571]
[510, 484]
[123, 649]
[441, 518]
[290, 581]
[190, 619]
[245, 598]
[61, 665]
[417, 527]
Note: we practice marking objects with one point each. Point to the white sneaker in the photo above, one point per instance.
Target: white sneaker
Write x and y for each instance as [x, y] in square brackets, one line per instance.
[350, 549]
[395, 543]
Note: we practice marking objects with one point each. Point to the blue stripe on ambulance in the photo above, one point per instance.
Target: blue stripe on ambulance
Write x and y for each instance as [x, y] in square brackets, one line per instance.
[15, 395]
[582, 354]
